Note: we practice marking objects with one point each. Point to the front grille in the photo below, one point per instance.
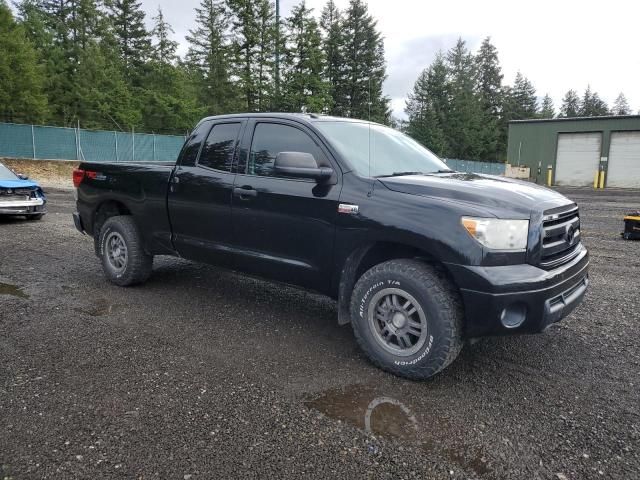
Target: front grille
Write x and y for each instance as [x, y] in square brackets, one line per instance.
[560, 236]
[14, 198]
[20, 192]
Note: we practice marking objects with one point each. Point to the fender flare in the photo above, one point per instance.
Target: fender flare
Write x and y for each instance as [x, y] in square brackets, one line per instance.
[347, 282]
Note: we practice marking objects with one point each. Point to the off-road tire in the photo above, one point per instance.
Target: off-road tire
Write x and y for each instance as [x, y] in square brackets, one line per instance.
[440, 303]
[138, 265]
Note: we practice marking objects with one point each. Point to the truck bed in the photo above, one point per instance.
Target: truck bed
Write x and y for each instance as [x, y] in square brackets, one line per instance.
[141, 186]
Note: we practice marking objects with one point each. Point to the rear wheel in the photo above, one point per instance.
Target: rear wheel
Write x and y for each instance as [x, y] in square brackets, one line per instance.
[407, 317]
[124, 260]
[37, 216]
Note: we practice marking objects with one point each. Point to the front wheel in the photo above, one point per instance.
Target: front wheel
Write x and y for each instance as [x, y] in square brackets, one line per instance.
[407, 318]
[124, 260]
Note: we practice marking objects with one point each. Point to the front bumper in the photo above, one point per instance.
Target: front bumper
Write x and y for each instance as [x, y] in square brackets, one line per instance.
[519, 298]
[31, 206]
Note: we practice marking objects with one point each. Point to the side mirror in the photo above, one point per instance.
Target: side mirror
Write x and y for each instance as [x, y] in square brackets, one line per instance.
[301, 165]
[22, 176]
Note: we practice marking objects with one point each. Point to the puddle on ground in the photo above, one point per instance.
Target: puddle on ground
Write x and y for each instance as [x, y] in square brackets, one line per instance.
[362, 408]
[368, 409]
[9, 289]
[99, 308]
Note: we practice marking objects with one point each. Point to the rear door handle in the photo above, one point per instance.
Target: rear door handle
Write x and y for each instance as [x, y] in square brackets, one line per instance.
[245, 192]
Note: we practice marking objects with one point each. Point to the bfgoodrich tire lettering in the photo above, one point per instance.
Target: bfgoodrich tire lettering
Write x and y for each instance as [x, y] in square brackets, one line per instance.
[407, 318]
[124, 260]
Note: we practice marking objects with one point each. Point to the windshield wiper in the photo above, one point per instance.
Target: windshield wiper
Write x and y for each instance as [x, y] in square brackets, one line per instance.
[400, 174]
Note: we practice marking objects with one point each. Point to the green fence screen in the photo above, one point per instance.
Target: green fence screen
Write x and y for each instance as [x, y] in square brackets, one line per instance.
[472, 166]
[57, 143]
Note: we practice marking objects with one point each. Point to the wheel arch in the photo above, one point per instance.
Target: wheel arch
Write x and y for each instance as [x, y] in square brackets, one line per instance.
[365, 257]
[105, 210]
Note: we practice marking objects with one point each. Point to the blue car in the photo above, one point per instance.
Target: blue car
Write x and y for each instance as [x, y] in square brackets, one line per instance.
[20, 196]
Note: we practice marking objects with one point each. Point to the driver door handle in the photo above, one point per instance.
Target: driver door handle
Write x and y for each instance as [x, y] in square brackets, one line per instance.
[245, 193]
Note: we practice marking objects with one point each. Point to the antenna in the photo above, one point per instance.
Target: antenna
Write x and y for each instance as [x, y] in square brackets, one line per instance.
[369, 124]
[277, 55]
[369, 94]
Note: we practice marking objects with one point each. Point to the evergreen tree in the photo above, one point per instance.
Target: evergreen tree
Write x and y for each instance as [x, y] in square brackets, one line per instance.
[521, 100]
[570, 105]
[489, 85]
[63, 31]
[489, 77]
[304, 88]
[169, 102]
[36, 24]
[21, 96]
[166, 102]
[592, 105]
[621, 106]
[208, 58]
[253, 43]
[464, 124]
[131, 36]
[164, 50]
[547, 110]
[364, 67]
[425, 110]
[74, 22]
[333, 45]
[265, 61]
[102, 97]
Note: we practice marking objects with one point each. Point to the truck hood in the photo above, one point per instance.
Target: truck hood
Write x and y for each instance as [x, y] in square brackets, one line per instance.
[502, 196]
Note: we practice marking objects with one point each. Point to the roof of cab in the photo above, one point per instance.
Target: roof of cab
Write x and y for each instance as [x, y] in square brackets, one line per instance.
[305, 117]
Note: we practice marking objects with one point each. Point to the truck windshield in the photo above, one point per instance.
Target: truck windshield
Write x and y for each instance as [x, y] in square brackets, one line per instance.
[6, 174]
[377, 151]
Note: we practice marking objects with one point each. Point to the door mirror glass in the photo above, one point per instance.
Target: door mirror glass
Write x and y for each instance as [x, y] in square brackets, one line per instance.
[300, 165]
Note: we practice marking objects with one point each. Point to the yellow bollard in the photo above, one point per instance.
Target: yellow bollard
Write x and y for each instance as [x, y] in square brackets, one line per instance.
[595, 179]
[601, 179]
[549, 175]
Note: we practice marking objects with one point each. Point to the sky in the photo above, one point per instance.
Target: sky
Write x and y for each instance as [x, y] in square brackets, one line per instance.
[557, 44]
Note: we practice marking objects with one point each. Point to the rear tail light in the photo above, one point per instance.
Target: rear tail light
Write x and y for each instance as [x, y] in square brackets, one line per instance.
[80, 174]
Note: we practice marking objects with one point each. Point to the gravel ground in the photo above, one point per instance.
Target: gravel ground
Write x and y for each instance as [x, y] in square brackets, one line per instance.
[203, 373]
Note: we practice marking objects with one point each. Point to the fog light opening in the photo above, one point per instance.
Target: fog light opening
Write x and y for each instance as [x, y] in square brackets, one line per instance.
[514, 315]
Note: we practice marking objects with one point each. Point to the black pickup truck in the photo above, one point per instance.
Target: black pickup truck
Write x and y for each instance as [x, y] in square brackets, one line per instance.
[418, 257]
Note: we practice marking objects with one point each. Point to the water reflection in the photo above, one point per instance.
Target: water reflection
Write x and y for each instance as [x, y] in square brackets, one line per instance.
[13, 290]
[382, 415]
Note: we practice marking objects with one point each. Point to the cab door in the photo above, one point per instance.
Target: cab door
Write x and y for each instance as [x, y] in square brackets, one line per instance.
[200, 193]
[284, 228]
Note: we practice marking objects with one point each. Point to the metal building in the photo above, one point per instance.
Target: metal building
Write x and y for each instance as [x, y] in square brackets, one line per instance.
[602, 151]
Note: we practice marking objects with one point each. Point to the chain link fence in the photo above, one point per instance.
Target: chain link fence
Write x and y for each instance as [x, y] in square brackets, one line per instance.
[58, 143]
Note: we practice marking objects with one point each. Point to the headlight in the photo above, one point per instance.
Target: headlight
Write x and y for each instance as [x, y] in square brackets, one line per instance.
[498, 234]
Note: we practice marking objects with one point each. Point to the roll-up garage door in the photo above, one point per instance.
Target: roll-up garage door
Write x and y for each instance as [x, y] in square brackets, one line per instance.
[624, 160]
[577, 158]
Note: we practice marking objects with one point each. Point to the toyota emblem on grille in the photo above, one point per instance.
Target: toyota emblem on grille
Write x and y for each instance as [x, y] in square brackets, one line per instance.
[571, 233]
